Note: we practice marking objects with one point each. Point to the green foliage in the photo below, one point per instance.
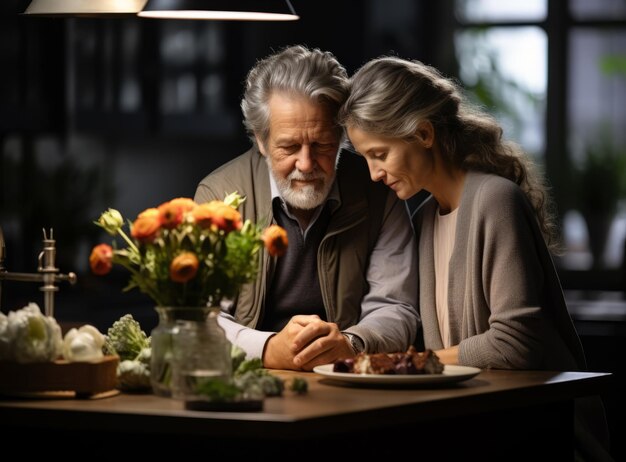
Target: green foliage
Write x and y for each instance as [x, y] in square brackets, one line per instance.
[613, 65]
[489, 87]
[218, 391]
[250, 381]
[249, 365]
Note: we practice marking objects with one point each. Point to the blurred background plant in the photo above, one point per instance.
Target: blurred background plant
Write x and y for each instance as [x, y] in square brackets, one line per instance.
[57, 194]
[599, 182]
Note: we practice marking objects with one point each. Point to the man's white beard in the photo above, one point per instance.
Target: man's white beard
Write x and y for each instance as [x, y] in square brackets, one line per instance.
[307, 197]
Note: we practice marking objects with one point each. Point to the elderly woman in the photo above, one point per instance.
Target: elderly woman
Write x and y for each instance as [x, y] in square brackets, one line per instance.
[489, 294]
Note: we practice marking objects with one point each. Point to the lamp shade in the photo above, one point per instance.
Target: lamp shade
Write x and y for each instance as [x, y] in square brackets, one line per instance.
[233, 10]
[73, 8]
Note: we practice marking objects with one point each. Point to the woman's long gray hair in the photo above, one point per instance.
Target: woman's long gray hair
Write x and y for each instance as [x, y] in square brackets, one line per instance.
[295, 70]
[391, 96]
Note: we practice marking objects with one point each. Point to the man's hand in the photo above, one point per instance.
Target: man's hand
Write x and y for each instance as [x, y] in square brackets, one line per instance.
[305, 342]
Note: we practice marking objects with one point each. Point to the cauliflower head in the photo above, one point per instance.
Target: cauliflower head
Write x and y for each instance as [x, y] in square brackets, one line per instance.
[28, 336]
[83, 344]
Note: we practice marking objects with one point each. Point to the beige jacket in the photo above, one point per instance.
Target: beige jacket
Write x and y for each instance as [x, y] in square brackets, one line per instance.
[343, 256]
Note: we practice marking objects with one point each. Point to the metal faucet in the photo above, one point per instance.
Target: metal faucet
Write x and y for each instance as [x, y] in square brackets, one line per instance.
[47, 273]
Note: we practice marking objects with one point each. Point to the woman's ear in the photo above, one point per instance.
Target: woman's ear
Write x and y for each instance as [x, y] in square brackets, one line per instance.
[426, 134]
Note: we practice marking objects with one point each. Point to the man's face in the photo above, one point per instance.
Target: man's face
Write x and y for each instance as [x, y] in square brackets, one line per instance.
[301, 149]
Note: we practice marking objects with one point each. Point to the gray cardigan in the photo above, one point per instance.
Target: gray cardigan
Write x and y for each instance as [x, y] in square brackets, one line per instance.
[507, 308]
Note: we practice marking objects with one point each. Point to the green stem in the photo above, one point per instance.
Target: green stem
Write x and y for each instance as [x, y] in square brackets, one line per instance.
[128, 240]
[145, 287]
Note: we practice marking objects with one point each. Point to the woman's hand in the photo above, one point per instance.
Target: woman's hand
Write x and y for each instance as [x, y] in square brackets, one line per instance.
[449, 355]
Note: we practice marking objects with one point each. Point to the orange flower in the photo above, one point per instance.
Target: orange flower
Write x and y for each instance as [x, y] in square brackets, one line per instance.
[101, 259]
[187, 254]
[184, 203]
[275, 240]
[227, 219]
[184, 267]
[172, 213]
[203, 214]
[146, 226]
[217, 215]
[151, 212]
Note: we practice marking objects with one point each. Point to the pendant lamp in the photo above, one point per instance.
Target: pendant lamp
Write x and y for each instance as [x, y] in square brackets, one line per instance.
[228, 10]
[86, 8]
[235, 10]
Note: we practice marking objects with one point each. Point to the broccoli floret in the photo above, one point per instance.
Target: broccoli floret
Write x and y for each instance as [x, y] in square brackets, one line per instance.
[299, 385]
[133, 376]
[255, 380]
[125, 338]
[271, 385]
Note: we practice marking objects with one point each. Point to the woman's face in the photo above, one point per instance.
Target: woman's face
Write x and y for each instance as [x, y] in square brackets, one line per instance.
[404, 166]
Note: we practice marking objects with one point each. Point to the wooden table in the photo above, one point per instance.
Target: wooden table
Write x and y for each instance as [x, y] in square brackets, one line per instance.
[501, 415]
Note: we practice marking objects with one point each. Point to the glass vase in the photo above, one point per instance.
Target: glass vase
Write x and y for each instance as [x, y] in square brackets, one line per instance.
[188, 348]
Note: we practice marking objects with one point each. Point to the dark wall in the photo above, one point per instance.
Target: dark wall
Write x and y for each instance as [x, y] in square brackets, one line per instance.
[69, 149]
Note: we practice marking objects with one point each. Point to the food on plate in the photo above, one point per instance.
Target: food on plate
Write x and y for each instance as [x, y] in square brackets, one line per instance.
[409, 362]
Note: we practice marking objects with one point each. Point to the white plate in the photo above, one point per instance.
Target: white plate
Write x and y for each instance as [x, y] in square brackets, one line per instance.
[450, 374]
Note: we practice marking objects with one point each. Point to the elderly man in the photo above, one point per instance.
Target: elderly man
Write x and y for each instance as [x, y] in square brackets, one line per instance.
[347, 282]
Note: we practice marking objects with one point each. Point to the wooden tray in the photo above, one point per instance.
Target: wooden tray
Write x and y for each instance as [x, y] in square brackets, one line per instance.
[83, 379]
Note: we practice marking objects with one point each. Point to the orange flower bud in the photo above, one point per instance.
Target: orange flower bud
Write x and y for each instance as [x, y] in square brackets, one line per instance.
[146, 227]
[275, 240]
[101, 259]
[184, 267]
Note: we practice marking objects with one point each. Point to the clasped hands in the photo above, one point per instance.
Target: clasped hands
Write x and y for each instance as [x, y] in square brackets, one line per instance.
[305, 342]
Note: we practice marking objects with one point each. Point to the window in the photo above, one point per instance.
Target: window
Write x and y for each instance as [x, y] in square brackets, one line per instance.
[505, 68]
[555, 75]
[596, 143]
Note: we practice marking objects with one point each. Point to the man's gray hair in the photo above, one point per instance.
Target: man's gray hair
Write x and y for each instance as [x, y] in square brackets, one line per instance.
[295, 70]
